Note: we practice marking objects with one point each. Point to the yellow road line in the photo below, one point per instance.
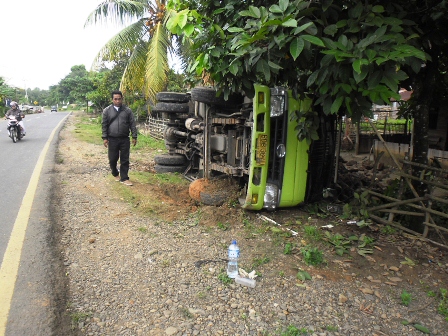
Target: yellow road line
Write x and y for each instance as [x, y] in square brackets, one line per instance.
[11, 259]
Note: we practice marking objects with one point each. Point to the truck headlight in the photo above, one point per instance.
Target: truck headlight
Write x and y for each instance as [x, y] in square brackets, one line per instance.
[280, 151]
[270, 200]
[279, 101]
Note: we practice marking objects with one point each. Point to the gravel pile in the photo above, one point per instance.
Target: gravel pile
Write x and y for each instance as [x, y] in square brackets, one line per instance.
[135, 275]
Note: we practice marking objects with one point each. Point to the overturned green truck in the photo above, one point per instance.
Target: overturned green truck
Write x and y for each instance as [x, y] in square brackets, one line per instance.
[251, 142]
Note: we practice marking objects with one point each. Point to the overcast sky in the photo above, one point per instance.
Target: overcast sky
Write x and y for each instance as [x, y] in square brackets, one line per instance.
[43, 39]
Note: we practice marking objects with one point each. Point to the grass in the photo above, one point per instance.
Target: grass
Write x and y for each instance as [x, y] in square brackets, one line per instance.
[224, 278]
[77, 317]
[186, 313]
[257, 262]
[294, 331]
[288, 248]
[312, 255]
[388, 230]
[406, 298]
[223, 226]
[312, 232]
[332, 328]
[443, 304]
[88, 129]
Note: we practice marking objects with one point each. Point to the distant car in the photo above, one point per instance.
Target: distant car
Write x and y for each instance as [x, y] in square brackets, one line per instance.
[54, 109]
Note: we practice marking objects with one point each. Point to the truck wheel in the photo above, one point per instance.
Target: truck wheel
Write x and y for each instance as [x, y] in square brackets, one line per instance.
[162, 169]
[206, 192]
[207, 95]
[170, 159]
[171, 108]
[172, 97]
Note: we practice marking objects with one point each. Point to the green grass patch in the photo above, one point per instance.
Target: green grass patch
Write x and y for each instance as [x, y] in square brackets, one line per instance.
[312, 255]
[443, 304]
[224, 278]
[294, 331]
[88, 129]
[406, 298]
[257, 262]
[388, 230]
[312, 232]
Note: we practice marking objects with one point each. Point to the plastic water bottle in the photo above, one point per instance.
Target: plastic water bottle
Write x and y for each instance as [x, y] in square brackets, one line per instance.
[234, 254]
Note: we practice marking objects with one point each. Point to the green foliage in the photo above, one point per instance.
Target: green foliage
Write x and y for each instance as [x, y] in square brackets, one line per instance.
[332, 328]
[405, 297]
[388, 230]
[303, 276]
[76, 85]
[312, 232]
[224, 278]
[346, 211]
[417, 326]
[144, 43]
[365, 241]
[340, 243]
[294, 331]
[257, 262]
[349, 58]
[443, 304]
[312, 255]
[288, 248]
[223, 226]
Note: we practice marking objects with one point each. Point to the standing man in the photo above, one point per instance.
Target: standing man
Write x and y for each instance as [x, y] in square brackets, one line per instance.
[118, 120]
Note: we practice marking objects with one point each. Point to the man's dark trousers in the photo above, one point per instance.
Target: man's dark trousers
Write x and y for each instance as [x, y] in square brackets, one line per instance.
[119, 148]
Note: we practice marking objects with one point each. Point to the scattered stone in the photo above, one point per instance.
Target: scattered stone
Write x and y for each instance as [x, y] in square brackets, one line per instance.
[170, 331]
[395, 279]
[366, 290]
[342, 298]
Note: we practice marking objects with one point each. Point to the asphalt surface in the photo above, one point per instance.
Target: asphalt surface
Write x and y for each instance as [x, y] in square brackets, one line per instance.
[30, 275]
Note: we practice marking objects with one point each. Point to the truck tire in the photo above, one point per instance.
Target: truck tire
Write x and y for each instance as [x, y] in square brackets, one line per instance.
[162, 169]
[207, 95]
[171, 108]
[203, 191]
[172, 97]
[170, 159]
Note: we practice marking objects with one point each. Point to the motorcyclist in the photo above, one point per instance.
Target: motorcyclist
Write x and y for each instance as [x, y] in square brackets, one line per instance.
[15, 111]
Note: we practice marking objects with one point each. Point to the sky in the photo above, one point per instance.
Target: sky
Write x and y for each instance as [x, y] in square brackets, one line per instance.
[43, 39]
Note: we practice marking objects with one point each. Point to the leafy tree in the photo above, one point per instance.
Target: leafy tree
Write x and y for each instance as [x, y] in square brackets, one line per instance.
[76, 85]
[348, 54]
[145, 40]
[430, 84]
[5, 92]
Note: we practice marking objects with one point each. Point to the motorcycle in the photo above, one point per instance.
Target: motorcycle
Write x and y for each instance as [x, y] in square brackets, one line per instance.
[14, 129]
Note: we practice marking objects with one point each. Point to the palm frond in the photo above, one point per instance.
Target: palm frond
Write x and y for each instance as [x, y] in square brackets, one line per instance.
[157, 61]
[127, 39]
[117, 11]
[134, 75]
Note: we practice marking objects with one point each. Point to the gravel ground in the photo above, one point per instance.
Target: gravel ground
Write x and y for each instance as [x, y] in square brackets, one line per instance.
[135, 275]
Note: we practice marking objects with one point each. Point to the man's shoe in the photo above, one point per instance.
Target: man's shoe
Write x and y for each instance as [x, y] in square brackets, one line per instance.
[127, 182]
[117, 178]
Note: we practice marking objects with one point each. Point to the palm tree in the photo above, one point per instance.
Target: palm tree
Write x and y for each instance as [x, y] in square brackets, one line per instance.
[145, 40]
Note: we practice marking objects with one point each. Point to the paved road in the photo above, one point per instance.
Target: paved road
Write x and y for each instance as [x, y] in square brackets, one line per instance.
[28, 271]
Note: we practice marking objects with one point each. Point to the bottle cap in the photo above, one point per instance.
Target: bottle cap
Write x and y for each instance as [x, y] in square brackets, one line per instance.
[234, 241]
